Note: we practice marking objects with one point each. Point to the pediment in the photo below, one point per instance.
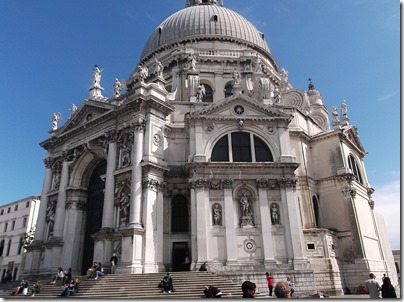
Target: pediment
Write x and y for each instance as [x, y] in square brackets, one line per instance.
[239, 107]
[351, 133]
[88, 111]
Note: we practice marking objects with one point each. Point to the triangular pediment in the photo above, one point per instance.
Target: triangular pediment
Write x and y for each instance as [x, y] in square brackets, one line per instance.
[351, 133]
[87, 112]
[239, 107]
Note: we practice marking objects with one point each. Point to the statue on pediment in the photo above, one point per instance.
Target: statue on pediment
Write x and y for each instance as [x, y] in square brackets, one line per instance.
[97, 72]
[55, 118]
[117, 88]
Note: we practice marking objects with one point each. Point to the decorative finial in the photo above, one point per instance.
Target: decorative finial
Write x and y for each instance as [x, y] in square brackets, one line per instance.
[311, 86]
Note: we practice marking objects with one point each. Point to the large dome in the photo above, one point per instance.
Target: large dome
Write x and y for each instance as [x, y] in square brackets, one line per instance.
[204, 22]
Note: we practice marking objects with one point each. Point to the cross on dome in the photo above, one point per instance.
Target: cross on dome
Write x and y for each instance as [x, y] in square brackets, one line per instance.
[202, 2]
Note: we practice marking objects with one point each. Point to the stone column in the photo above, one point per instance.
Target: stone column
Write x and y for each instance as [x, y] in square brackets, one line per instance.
[136, 186]
[231, 243]
[41, 223]
[294, 229]
[202, 197]
[266, 225]
[61, 203]
[150, 187]
[160, 225]
[108, 210]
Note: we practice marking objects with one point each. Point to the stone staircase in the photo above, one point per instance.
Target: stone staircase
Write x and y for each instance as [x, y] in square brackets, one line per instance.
[140, 286]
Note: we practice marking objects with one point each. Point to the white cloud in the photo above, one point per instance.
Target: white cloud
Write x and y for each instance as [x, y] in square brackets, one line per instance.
[387, 203]
[387, 96]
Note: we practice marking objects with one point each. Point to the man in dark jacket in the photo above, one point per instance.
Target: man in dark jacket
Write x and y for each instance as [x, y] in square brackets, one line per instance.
[212, 292]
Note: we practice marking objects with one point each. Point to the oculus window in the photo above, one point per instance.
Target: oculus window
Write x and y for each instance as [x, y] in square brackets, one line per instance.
[241, 147]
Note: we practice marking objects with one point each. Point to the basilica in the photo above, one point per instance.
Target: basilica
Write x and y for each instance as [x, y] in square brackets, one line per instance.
[207, 153]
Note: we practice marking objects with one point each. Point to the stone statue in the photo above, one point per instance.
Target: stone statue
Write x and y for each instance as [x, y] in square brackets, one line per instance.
[50, 216]
[125, 155]
[200, 92]
[274, 214]
[257, 63]
[245, 205]
[344, 109]
[97, 76]
[117, 88]
[143, 72]
[124, 203]
[217, 215]
[72, 110]
[159, 69]
[192, 61]
[277, 96]
[236, 77]
[334, 113]
[55, 118]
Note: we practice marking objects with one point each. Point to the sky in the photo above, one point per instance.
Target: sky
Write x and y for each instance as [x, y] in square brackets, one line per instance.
[349, 48]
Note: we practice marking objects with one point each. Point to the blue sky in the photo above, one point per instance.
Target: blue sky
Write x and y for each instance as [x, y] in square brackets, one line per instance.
[349, 48]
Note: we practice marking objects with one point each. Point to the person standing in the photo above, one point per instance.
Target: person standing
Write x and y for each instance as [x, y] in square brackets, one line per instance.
[270, 283]
[114, 263]
[248, 289]
[388, 290]
[372, 286]
[291, 286]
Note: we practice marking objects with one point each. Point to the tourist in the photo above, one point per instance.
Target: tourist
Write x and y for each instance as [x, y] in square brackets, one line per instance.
[388, 290]
[167, 283]
[212, 292]
[291, 285]
[248, 289]
[372, 286]
[99, 271]
[60, 275]
[22, 288]
[283, 290]
[91, 271]
[270, 283]
[36, 288]
[72, 288]
[114, 263]
[68, 276]
[203, 267]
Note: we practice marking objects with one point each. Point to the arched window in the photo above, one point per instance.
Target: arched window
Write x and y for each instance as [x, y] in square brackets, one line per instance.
[315, 209]
[179, 214]
[8, 248]
[355, 168]
[228, 90]
[1, 248]
[245, 147]
[208, 96]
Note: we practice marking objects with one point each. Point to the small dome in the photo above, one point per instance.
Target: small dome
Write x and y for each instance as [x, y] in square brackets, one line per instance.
[204, 22]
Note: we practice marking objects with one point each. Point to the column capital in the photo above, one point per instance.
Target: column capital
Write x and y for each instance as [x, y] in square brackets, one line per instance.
[199, 183]
[48, 161]
[138, 124]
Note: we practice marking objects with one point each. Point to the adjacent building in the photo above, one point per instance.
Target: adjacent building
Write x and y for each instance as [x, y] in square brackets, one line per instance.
[17, 227]
[211, 154]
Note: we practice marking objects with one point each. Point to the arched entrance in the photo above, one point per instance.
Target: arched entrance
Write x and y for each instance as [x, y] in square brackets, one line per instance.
[95, 203]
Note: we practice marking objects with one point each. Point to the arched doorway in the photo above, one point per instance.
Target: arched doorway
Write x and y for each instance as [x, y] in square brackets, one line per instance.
[95, 203]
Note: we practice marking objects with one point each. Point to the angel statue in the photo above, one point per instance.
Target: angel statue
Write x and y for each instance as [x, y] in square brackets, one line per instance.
[55, 118]
[97, 76]
[200, 92]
